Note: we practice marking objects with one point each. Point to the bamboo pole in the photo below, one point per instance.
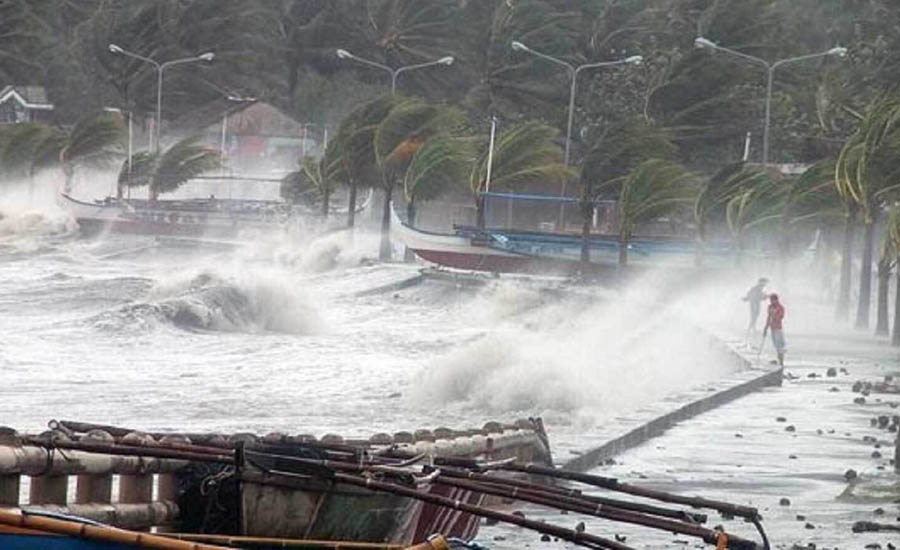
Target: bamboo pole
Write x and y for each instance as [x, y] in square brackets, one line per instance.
[98, 532]
[615, 485]
[436, 543]
[117, 449]
[127, 516]
[553, 501]
[580, 538]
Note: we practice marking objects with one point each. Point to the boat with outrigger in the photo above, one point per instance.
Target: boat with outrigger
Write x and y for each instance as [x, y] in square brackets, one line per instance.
[385, 492]
[210, 217]
[507, 250]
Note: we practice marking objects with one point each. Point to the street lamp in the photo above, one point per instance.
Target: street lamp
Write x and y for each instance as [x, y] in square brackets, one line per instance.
[160, 67]
[573, 75]
[704, 43]
[344, 54]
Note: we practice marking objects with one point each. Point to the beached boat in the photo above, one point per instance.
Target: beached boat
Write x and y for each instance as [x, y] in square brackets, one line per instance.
[509, 251]
[209, 217]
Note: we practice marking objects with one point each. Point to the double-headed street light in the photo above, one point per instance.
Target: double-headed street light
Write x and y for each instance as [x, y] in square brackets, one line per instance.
[704, 43]
[573, 75]
[160, 67]
[344, 54]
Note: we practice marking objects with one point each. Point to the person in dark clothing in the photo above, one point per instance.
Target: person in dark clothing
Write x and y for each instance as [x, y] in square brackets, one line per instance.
[774, 321]
[755, 296]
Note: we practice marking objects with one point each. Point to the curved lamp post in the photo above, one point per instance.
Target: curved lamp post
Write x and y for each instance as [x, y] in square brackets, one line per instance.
[160, 67]
[704, 43]
[573, 75]
[344, 54]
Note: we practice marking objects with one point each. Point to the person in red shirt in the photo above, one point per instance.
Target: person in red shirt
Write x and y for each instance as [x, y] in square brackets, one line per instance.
[774, 321]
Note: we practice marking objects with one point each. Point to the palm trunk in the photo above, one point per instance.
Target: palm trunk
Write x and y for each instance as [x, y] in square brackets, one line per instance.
[326, 196]
[408, 255]
[351, 204]
[843, 305]
[384, 250]
[865, 276]
[588, 214]
[895, 336]
[479, 211]
[623, 250]
[884, 281]
[699, 252]
[69, 172]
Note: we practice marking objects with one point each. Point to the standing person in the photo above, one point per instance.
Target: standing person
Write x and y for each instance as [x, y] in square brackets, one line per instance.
[755, 295]
[774, 322]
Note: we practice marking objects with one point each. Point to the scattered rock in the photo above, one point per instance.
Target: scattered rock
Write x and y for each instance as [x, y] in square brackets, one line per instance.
[831, 372]
[834, 389]
[812, 375]
[850, 474]
[856, 387]
[580, 527]
[781, 419]
[792, 457]
[395, 395]
[820, 432]
[844, 371]
[621, 538]
[545, 538]
[876, 454]
[499, 537]
[739, 436]
[873, 546]
[860, 400]
[801, 517]
[809, 526]
[784, 501]
[873, 422]
[878, 511]
[790, 428]
[869, 439]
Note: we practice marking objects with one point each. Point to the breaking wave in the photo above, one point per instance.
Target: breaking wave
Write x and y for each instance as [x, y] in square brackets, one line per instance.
[209, 302]
[593, 361]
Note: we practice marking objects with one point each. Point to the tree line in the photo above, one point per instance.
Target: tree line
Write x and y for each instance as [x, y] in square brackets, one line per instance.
[662, 139]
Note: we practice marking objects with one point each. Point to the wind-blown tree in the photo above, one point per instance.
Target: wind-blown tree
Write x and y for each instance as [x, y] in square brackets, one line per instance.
[525, 154]
[867, 173]
[441, 163]
[759, 202]
[28, 148]
[619, 152]
[712, 200]
[313, 182]
[892, 254]
[406, 129]
[169, 170]
[655, 188]
[811, 204]
[354, 147]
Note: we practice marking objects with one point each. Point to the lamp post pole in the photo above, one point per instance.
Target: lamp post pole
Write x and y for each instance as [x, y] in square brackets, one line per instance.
[703, 43]
[573, 72]
[344, 54]
[160, 68]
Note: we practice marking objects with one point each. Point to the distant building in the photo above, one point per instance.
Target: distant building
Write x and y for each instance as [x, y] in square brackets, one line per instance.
[260, 137]
[24, 104]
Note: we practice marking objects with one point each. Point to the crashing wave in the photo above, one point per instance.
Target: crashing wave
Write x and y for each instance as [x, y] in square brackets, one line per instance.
[208, 302]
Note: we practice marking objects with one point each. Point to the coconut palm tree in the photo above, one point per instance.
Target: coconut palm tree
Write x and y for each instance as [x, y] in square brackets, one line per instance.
[406, 130]
[314, 181]
[169, 170]
[525, 154]
[866, 174]
[712, 199]
[354, 147]
[759, 202]
[892, 253]
[654, 188]
[439, 164]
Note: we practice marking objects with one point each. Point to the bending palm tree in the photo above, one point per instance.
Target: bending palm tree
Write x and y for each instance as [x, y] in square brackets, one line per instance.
[524, 154]
[166, 172]
[654, 188]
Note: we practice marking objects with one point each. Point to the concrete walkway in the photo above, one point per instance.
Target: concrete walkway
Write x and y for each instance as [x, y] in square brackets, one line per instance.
[794, 442]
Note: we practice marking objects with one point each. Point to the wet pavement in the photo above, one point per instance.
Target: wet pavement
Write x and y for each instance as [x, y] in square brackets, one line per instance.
[785, 450]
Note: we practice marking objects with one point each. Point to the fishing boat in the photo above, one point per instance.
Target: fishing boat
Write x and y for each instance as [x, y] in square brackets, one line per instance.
[512, 251]
[200, 217]
[385, 490]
